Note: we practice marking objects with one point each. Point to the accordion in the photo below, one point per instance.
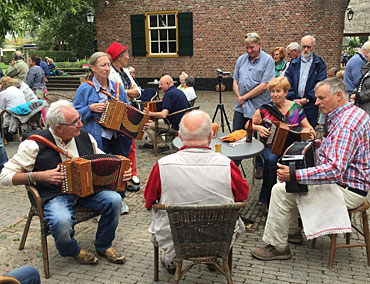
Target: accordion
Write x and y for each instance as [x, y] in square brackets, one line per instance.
[299, 155]
[123, 118]
[154, 106]
[282, 137]
[93, 173]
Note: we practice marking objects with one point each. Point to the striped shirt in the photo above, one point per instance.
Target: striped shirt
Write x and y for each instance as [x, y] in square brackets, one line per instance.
[344, 155]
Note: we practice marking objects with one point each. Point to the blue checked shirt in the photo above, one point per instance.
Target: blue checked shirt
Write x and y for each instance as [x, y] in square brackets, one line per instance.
[344, 155]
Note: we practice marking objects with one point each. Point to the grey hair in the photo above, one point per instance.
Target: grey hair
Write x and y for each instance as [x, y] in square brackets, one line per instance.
[54, 114]
[310, 37]
[202, 133]
[183, 74]
[130, 69]
[335, 85]
[293, 46]
[189, 81]
[17, 82]
[366, 46]
[95, 56]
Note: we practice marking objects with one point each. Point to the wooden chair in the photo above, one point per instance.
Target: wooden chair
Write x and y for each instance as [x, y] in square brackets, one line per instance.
[364, 231]
[201, 234]
[168, 132]
[8, 280]
[81, 214]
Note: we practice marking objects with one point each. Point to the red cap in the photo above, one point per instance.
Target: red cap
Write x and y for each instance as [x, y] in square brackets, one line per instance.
[116, 49]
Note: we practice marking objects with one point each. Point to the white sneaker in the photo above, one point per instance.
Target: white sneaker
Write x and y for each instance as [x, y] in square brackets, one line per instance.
[168, 264]
[124, 209]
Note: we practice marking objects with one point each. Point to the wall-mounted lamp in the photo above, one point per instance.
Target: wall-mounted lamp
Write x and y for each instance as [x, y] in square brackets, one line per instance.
[350, 14]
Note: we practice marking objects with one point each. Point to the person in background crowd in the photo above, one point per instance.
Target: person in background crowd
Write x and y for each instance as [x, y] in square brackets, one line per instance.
[352, 72]
[182, 77]
[146, 94]
[36, 76]
[332, 72]
[303, 74]
[344, 57]
[45, 67]
[3, 155]
[52, 66]
[253, 70]
[293, 50]
[18, 68]
[1, 73]
[278, 54]
[189, 88]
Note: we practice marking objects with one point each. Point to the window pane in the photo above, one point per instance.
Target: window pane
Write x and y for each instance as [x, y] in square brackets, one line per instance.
[172, 34]
[154, 46]
[162, 21]
[154, 34]
[171, 20]
[153, 21]
[163, 47]
[163, 34]
[172, 46]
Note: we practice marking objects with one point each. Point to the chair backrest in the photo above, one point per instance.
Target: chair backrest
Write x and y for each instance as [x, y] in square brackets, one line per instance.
[202, 230]
[192, 102]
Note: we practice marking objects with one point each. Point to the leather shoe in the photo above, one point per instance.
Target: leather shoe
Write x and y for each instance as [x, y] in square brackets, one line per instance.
[295, 237]
[146, 146]
[112, 255]
[269, 252]
[163, 149]
[132, 187]
[87, 257]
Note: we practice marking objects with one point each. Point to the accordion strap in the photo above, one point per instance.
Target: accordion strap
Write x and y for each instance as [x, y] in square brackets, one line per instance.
[48, 143]
[105, 92]
[292, 173]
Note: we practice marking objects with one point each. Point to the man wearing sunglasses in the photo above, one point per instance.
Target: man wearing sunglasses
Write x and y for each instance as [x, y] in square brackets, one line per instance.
[37, 164]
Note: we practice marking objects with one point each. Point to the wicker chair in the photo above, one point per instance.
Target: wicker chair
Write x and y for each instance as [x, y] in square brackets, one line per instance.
[201, 234]
[169, 132]
[364, 232]
[53, 97]
[81, 214]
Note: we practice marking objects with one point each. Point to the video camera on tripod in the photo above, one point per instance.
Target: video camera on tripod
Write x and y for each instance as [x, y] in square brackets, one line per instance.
[220, 73]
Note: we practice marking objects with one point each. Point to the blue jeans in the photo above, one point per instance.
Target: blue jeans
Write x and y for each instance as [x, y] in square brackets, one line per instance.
[3, 155]
[26, 275]
[59, 216]
[269, 174]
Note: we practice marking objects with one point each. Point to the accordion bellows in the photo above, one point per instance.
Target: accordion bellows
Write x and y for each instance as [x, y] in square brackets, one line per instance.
[124, 118]
[93, 173]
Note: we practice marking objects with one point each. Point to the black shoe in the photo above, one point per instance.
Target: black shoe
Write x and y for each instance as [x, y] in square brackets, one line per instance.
[163, 149]
[248, 223]
[146, 146]
[133, 187]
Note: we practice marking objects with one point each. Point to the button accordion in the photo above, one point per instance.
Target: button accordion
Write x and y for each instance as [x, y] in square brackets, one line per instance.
[282, 136]
[299, 155]
[87, 175]
[124, 118]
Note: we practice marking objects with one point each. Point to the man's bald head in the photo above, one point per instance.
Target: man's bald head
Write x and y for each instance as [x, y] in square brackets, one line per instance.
[165, 83]
[196, 129]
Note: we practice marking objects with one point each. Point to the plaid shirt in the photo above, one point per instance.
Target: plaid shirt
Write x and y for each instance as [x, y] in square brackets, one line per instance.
[344, 155]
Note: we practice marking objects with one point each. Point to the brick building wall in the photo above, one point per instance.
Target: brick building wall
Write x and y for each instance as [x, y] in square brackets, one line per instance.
[219, 28]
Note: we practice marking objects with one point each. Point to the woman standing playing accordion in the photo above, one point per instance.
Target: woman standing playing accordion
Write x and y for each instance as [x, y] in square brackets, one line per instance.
[294, 116]
[89, 102]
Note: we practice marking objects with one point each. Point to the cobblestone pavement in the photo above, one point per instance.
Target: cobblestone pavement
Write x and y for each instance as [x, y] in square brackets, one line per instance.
[306, 266]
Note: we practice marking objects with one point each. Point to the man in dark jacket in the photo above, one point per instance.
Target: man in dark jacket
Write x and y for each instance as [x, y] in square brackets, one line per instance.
[303, 73]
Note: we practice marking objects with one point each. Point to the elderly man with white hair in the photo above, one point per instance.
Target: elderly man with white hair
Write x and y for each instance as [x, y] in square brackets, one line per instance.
[193, 175]
[37, 164]
[293, 50]
[341, 175]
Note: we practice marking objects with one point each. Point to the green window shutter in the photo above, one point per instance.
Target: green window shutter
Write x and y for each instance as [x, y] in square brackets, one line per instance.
[185, 22]
[138, 35]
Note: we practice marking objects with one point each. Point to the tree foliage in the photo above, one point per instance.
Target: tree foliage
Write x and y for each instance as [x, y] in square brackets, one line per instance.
[10, 22]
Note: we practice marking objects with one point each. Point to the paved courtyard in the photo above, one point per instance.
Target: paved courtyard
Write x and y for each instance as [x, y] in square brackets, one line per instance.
[132, 238]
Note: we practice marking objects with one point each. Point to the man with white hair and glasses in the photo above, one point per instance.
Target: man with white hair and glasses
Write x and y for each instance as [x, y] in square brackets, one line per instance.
[37, 164]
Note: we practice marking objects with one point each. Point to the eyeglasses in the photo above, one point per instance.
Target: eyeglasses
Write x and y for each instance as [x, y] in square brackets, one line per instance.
[306, 46]
[252, 36]
[103, 65]
[73, 123]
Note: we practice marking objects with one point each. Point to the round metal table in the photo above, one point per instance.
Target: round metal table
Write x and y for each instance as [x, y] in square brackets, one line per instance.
[236, 153]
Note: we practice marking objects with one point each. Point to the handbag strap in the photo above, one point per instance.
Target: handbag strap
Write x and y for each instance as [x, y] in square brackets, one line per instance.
[48, 143]
[105, 92]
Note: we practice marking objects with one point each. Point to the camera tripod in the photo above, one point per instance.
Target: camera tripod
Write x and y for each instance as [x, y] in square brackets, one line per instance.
[221, 107]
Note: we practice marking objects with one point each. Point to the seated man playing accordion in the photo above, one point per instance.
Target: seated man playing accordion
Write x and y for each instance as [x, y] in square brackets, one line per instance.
[37, 164]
